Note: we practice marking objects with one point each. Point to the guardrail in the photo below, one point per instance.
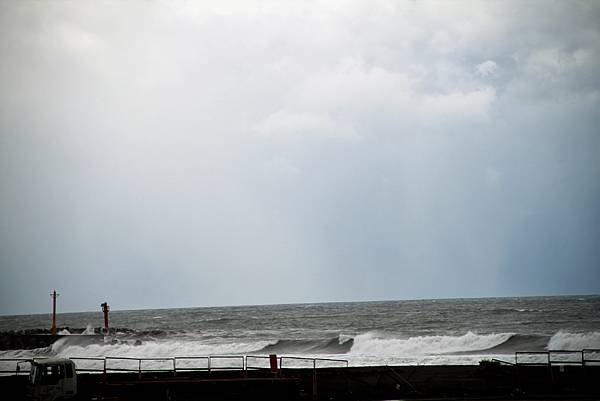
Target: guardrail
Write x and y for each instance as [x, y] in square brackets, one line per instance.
[104, 365]
[313, 360]
[15, 364]
[252, 362]
[557, 357]
[500, 361]
[86, 366]
[140, 368]
[590, 361]
[186, 364]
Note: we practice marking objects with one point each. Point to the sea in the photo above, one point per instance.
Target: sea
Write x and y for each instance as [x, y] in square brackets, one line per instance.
[407, 332]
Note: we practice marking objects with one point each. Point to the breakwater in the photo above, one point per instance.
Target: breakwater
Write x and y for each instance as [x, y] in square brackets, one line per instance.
[39, 339]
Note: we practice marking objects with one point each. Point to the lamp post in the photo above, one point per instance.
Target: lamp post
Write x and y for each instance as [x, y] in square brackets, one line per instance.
[54, 295]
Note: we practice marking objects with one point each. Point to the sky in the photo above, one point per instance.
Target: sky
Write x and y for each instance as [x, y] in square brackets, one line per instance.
[164, 154]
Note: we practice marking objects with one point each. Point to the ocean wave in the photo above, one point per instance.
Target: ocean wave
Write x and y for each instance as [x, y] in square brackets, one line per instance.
[503, 311]
[374, 344]
[516, 342]
[151, 349]
[471, 343]
[371, 347]
[336, 345]
[564, 340]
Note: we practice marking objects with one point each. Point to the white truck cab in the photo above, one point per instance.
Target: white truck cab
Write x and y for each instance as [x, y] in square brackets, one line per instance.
[52, 379]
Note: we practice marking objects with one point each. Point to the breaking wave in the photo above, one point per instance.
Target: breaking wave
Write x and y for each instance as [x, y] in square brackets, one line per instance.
[367, 348]
[516, 342]
[337, 345]
[470, 343]
[373, 344]
[89, 330]
[564, 340]
[150, 349]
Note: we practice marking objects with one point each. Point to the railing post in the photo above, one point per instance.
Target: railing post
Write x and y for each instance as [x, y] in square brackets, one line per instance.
[550, 368]
[315, 378]
[209, 359]
[174, 366]
[140, 368]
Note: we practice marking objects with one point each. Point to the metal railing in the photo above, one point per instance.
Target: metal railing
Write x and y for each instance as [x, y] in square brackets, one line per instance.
[313, 360]
[104, 365]
[185, 366]
[108, 364]
[251, 362]
[309, 362]
[591, 361]
[15, 364]
[500, 361]
[86, 366]
[140, 368]
[557, 357]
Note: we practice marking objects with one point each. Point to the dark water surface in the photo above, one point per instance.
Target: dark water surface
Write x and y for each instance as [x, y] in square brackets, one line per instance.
[419, 331]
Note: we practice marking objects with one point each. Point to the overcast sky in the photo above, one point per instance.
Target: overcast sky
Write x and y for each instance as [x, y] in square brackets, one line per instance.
[171, 154]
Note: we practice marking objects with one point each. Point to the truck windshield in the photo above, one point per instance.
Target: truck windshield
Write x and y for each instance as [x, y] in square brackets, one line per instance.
[50, 374]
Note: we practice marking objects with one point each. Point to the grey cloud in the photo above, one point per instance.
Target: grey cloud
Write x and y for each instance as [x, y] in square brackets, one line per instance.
[161, 154]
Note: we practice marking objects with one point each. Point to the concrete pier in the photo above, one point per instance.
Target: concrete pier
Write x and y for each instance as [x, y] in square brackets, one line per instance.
[32, 341]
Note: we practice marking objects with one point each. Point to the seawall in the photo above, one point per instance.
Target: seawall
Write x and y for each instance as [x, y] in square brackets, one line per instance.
[486, 381]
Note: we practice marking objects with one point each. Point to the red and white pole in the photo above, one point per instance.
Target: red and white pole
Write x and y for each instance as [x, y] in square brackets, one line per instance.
[105, 310]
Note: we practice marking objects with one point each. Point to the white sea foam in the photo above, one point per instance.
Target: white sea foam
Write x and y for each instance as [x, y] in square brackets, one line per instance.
[365, 360]
[374, 344]
[343, 338]
[564, 340]
[368, 349]
[151, 349]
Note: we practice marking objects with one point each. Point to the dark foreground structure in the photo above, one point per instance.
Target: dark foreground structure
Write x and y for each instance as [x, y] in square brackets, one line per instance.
[489, 380]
